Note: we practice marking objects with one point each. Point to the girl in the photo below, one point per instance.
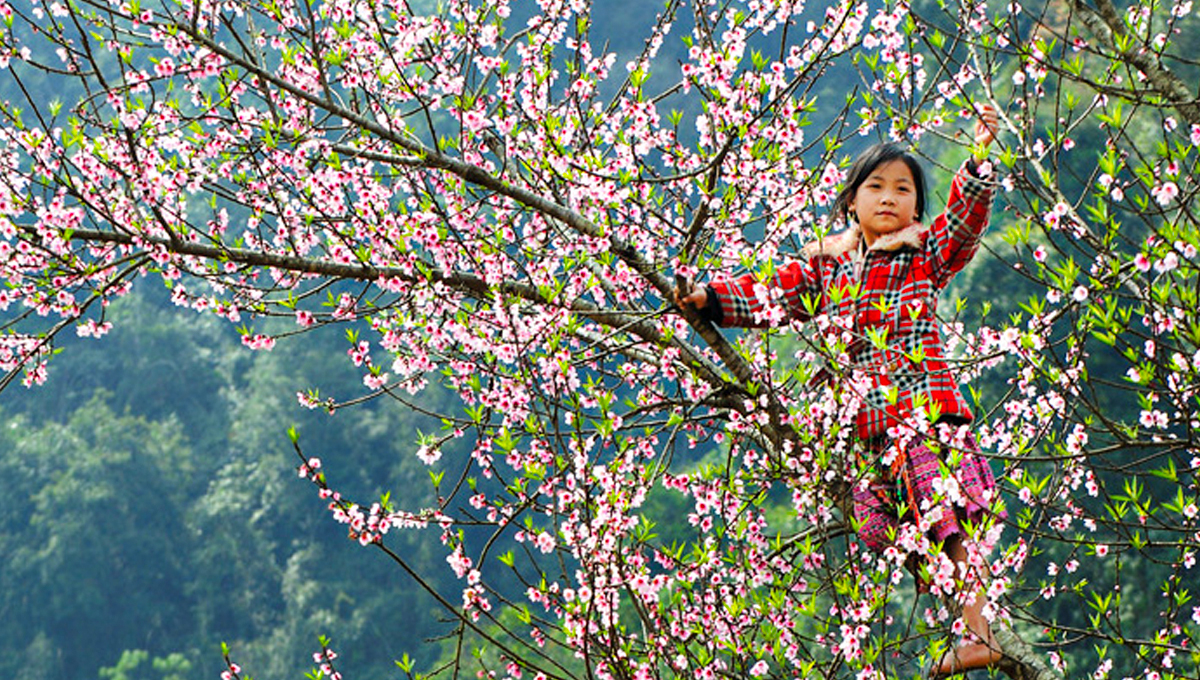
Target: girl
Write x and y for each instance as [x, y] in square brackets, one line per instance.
[898, 266]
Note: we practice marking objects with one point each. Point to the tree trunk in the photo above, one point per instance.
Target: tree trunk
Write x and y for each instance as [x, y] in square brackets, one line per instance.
[1021, 661]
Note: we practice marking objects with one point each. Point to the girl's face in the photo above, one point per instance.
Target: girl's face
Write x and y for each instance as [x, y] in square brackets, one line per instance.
[886, 201]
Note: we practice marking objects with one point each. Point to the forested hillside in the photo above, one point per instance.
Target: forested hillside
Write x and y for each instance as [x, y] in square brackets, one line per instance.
[153, 505]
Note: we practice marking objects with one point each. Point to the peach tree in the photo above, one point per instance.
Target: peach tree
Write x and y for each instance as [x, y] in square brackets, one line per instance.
[498, 203]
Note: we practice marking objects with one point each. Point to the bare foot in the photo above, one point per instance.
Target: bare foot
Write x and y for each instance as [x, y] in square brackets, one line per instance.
[965, 658]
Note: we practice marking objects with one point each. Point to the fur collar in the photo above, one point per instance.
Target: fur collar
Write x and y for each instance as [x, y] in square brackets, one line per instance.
[847, 241]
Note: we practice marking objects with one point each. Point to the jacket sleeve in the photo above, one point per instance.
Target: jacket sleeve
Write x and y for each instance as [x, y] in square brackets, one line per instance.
[792, 293]
[954, 235]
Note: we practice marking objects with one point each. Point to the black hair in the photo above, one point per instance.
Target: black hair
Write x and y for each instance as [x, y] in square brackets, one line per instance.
[865, 164]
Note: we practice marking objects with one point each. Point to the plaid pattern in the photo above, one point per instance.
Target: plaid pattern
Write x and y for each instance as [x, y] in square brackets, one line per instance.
[901, 276]
[879, 507]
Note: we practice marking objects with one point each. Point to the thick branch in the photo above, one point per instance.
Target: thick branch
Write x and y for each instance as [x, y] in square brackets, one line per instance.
[1021, 661]
[471, 285]
[1105, 23]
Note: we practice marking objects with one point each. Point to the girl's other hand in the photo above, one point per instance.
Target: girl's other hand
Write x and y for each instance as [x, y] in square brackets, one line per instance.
[696, 297]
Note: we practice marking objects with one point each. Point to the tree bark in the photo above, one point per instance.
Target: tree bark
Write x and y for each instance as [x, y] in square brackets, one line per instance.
[1021, 661]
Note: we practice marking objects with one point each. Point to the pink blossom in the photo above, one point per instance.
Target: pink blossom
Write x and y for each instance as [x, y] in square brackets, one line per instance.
[259, 342]
[429, 454]
[91, 329]
[831, 176]
[459, 562]
[1165, 193]
[1153, 418]
[1168, 263]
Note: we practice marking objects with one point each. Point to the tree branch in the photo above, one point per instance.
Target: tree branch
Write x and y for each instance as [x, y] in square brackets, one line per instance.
[433, 159]
[1105, 23]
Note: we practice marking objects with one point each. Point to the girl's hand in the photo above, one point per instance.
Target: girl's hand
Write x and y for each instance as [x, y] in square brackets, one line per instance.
[986, 126]
[696, 298]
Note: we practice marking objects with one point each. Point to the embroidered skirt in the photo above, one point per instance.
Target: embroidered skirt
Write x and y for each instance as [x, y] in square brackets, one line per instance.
[947, 487]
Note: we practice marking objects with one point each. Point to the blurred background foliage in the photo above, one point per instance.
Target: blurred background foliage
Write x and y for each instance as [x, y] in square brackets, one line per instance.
[153, 505]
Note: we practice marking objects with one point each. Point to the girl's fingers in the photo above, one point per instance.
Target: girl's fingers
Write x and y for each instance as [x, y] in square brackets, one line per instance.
[698, 298]
[986, 125]
[983, 133]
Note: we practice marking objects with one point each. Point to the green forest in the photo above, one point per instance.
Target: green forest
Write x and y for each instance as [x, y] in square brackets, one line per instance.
[153, 506]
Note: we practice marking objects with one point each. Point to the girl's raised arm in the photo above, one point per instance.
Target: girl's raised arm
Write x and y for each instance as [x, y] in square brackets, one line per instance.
[954, 235]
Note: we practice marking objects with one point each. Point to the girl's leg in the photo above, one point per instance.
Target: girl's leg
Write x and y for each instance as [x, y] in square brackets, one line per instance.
[981, 654]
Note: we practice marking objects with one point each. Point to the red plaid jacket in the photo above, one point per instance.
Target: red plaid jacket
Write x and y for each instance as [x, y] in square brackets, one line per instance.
[902, 275]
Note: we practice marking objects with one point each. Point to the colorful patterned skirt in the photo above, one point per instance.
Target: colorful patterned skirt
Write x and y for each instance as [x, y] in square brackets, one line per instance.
[948, 486]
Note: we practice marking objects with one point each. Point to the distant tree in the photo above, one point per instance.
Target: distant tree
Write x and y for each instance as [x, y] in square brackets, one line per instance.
[500, 206]
[132, 666]
[91, 541]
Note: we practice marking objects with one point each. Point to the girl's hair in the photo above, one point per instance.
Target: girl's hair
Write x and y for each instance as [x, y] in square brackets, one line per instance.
[865, 164]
